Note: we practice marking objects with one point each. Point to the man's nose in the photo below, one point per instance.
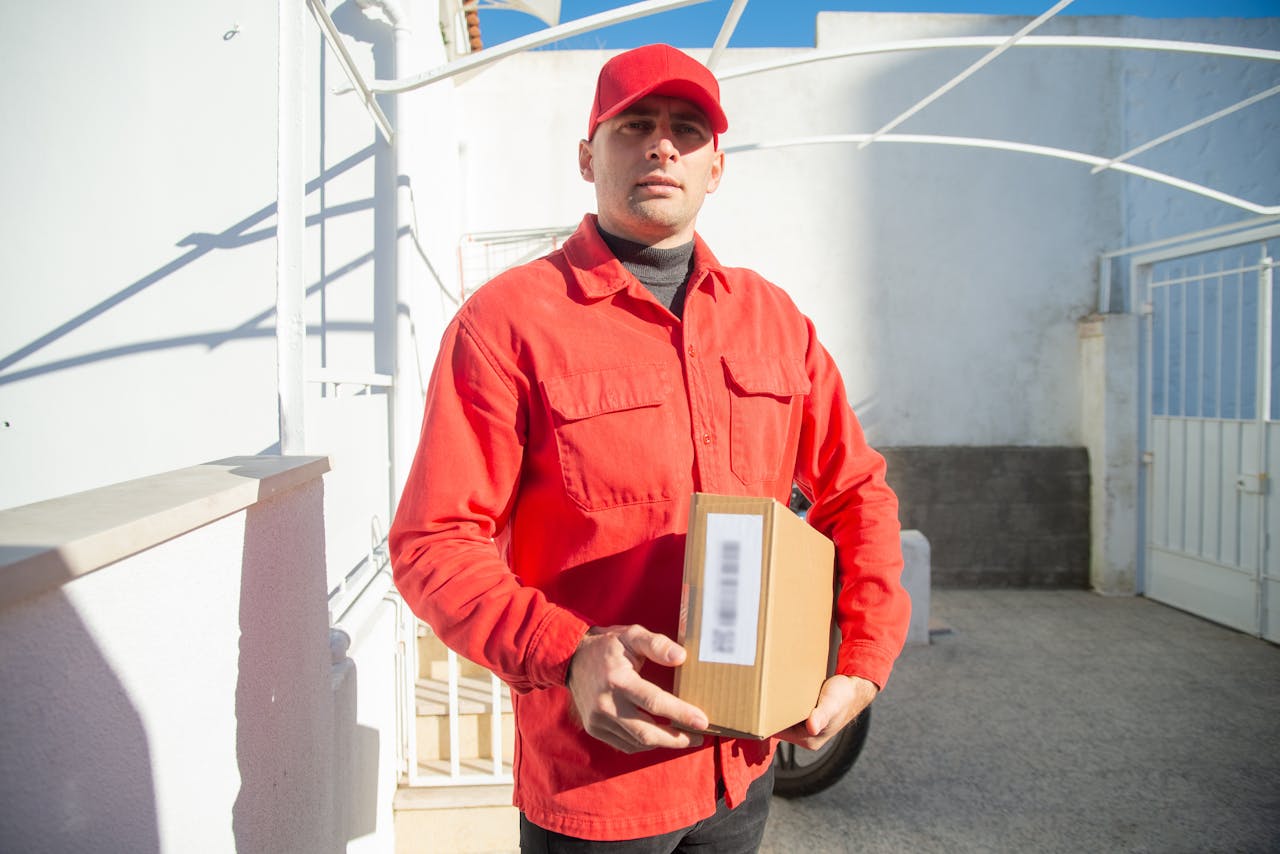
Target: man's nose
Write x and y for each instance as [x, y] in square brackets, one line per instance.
[663, 149]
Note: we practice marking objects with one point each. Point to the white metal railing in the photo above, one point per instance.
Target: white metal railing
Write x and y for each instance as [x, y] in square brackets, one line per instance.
[334, 379]
[1105, 259]
[369, 582]
[483, 255]
[497, 770]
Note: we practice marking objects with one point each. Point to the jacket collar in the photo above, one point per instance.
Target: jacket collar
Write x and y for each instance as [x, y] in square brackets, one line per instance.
[599, 274]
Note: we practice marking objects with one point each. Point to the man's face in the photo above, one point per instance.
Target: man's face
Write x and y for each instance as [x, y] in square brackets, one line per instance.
[652, 165]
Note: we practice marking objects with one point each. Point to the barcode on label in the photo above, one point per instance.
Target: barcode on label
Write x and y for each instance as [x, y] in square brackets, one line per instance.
[727, 596]
[732, 581]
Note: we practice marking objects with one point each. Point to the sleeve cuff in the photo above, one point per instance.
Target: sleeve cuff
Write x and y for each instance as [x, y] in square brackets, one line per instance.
[553, 647]
[866, 660]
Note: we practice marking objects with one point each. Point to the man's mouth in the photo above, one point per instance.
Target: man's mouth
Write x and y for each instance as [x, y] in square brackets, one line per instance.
[658, 181]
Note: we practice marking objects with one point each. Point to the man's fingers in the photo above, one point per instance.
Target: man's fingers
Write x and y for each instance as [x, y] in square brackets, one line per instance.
[799, 736]
[637, 726]
[617, 705]
[646, 735]
[631, 729]
[650, 698]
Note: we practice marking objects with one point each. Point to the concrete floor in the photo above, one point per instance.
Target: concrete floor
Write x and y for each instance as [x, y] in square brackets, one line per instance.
[1060, 721]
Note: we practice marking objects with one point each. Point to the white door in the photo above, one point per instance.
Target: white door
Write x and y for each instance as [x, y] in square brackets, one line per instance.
[1211, 440]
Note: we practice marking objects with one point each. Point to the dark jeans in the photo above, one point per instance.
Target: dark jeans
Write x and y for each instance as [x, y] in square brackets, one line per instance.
[736, 831]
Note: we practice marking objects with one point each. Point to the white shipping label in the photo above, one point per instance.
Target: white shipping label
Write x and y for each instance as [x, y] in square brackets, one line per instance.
[731, 588]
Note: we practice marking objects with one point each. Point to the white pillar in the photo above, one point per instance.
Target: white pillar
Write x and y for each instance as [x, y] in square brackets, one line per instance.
[291, 328]
[1109, 383]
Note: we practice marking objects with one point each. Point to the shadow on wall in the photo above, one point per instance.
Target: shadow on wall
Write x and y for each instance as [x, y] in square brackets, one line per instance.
[75, 765]
[284, 703]
[356, 756]
[201, 244]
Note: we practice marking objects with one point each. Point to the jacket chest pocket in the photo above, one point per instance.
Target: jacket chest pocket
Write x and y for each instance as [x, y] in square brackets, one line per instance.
[616, 435]
[764, 391]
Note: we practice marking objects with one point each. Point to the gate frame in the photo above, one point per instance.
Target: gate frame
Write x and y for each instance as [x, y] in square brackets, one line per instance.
[1140, 300]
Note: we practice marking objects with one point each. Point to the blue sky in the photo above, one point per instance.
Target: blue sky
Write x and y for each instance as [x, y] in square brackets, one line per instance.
[790, 23]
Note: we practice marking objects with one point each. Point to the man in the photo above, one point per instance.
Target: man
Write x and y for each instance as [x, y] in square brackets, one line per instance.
[577, 403]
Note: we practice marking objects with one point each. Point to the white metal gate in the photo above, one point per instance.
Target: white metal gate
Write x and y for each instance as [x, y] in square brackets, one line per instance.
[1212, 436]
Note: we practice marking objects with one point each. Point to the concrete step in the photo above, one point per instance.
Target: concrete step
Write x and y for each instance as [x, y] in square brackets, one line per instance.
[476, 719]
[433, 662]
[461, 819]
[475, 737]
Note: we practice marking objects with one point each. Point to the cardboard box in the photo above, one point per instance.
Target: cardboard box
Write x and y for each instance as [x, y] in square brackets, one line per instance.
[755, 615]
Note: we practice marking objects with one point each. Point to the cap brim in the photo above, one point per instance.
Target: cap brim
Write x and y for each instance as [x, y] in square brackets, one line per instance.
[686, 90]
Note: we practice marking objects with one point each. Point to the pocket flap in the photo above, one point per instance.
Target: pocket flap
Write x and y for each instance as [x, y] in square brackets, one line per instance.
[772, 375]
[610, 390]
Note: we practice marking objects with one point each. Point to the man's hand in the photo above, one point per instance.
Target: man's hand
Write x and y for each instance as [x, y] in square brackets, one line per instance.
[841, 699]
[615, 704]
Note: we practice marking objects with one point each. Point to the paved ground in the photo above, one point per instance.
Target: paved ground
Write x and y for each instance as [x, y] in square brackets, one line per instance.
[1060, 721]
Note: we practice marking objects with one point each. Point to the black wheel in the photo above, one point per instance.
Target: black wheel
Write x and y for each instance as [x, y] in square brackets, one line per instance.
[799, 772]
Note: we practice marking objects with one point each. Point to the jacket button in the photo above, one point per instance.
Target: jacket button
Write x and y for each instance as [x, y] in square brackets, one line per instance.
[706, 438]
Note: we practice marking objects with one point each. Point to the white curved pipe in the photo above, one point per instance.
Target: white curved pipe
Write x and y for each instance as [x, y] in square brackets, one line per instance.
[479, 59]
[973, 69]
[1107, 42]
[726, 32]
[1187, 128]
[1021, 148]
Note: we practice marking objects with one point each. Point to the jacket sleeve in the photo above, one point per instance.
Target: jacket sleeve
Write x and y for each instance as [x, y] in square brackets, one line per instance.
[457, 499]
[854, 506]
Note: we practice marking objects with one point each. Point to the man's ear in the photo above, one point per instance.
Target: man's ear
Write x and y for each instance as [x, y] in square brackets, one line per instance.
[717, 172]
[584, 161]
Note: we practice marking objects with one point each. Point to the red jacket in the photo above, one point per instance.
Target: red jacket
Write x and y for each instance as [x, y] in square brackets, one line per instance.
[569, 419]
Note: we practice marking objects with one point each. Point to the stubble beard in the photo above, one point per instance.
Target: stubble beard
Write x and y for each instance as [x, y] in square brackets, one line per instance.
[665, 216]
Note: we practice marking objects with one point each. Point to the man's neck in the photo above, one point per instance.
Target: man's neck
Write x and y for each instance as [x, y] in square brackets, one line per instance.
[664, 271]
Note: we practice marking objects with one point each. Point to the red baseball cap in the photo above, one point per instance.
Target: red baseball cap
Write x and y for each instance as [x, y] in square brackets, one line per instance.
[656, 69]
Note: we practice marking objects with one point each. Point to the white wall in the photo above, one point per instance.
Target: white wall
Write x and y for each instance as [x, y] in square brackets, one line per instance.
[1236, 155]
[178, 700]
[139, 164]
[140, 245]
[370, 786]
[137, 321]
[947, 282]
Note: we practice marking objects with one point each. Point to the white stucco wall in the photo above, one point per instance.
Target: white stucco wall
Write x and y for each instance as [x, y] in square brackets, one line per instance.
[137, 324]
[1109, 364]
[947, 282]
[1236, 154]
[369, 788]
[139, 166]
[178, 700]
[140, 250]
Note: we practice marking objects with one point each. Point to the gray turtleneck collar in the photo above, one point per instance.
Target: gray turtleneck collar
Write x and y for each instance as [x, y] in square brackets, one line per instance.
[665, 272]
